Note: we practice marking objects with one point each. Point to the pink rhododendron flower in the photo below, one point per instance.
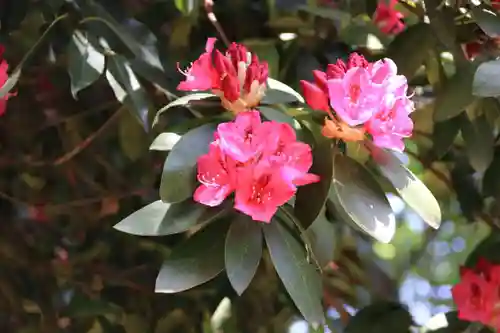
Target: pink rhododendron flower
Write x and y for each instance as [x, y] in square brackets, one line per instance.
[362, 98]
[3, 78]
[261, 162]
[387, 18]
[237, 77]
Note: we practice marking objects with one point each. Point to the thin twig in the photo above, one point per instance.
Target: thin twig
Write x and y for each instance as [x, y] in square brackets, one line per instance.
[209, 9]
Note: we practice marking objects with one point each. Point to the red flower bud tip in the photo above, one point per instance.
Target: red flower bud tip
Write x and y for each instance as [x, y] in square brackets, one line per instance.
[388, 19]
[4, 66]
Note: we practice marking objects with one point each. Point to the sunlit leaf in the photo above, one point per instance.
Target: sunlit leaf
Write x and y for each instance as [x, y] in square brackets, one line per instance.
[165, 141]
[278, 92]
[184, 101]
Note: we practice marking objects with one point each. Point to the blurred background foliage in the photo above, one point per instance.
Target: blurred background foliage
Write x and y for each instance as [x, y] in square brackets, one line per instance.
[74, 159]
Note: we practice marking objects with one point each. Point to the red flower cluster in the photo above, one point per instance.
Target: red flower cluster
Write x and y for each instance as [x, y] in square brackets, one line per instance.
[477, 294]
[261, 162]
[3, 78]
[388, 19]
[237, 77]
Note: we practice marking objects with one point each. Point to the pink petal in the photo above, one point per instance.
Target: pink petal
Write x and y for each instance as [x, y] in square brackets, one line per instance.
[314, 96]
[211, 195]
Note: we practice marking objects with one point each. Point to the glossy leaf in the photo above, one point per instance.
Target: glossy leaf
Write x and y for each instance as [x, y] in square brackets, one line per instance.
[178, 179]
[299, 277]
[127, 88]
[196, 261]
[85, 63]
[446, 323]
[183, 101]
[165, 141]
[479, 141]
[278, 92]
[403, 52]
[358, 198]
[487, 79]
[487, 20]
[277, 115]
[322, 236]
[381, 317]
[310, 199]
[444, 134]
[160, 218]
[456, 95]
[487, 249]
[243, 251]
[410, 188]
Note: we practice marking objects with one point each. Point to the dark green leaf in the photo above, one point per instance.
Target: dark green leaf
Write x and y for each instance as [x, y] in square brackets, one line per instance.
[277, 115]
[487, 20]
[381, 317]
[310, 199]
[410, 188]
[444, 134]
[160, 218]
[127, 88]
[243, 251]
[184, 101]
[133, 139]
[299, 277]
[358, 198]
[322, 236]
[487, 249]
[278, 92]
[165, 141]
[82, 306]
[446, 323]
[178, 179]
[456, 94]
[402, 50]
[85, 63]
[487, 79]
[479, 141]
[491, 181]
[196, 261]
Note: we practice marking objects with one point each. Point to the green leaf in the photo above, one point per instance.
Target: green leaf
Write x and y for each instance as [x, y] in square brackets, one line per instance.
[322, 236]
[278, 92]
[310, 199]
[127, 88]
[277, 115]
[487, 249]
[11, 82]
[85, 63]
[358, 198]
[486, 79]
[491, 181]
[479, 141]
[165, 141]
[243, 251]
[444, 134]
[487, 20]
[132, 136]
[381, 317]
[186, 6]
[299, 277]
[446, 323]
[410, 188]
[82, 306]
[160, 218]
[178, 179]
[187, 100]
[456, 94]
[403, 52]
[265, 49]
[196, 261]
[337, 15]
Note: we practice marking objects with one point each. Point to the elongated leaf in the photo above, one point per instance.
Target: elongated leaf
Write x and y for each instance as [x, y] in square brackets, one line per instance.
[409, 187]
[133, 139]
[487, 20]
[322, 236]
[487, 79]
[381, 317]
[85, 63]
[160, 218]
[278, 92]
[178, 179]
[403, 52]
[444, 134]
[310, 199]
[243, 251]
[196, 261]
[127, 88]
[479, 141]
[456, 94]
[358, 198]
[299, 277]
[183, 101]
[277, 115]
[446, 323]
[165, 141]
